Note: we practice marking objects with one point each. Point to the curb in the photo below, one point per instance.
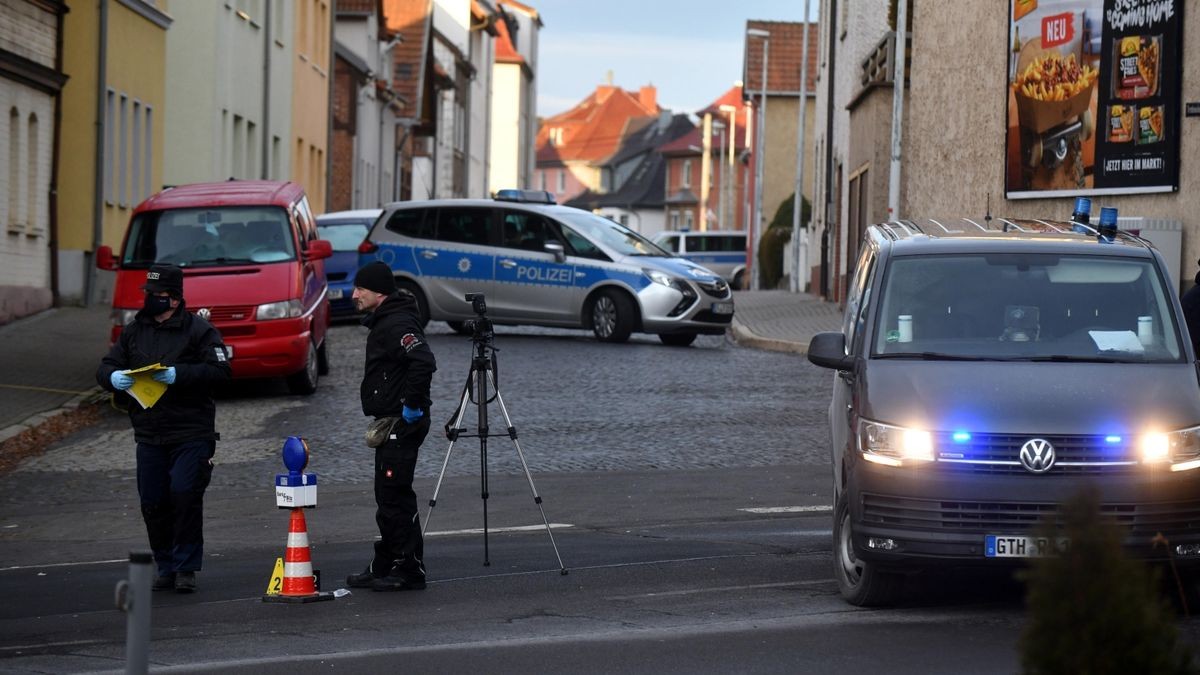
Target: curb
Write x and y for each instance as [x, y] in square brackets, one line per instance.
[34, 421]
[746, 337]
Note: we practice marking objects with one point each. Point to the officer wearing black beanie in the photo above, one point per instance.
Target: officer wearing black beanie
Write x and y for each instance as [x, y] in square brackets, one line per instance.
[395, 387]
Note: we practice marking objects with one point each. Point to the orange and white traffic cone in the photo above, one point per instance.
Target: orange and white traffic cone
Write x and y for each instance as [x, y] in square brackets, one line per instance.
[298, 583]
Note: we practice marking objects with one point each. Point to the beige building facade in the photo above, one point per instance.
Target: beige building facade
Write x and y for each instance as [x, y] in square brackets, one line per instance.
[311, 65]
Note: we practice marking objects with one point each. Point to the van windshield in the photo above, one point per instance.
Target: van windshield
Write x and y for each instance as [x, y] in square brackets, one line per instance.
[617, 237]
[210, 237]
[1024, 307]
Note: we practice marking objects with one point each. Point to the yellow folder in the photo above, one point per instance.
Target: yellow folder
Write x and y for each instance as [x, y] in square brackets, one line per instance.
[146, 390]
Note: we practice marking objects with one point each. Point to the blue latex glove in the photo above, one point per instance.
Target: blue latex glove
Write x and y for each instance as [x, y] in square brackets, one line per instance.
[165, 376]
[411, 415]
[120, 381]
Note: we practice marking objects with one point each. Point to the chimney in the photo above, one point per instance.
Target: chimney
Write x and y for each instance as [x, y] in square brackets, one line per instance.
[648, 97]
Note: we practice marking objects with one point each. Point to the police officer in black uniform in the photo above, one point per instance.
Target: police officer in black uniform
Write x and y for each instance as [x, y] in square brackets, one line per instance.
[1191, 312]
[395, 386]
[176, 437]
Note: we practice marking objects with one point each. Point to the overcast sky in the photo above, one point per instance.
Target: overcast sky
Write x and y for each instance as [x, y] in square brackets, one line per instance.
[690, 50]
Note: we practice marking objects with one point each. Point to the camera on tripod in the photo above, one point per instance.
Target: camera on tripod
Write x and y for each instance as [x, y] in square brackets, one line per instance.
[480, 327]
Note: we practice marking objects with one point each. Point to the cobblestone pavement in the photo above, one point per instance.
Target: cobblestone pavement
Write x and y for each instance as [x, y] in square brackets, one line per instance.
[578, 405]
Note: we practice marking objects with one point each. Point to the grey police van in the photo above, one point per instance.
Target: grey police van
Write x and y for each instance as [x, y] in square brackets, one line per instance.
[540, 263]
[988, 370]
[722, 251]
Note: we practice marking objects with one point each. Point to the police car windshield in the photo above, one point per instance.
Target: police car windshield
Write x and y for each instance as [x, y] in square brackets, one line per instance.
[613, 236]
[210, 237]
[1026, 307]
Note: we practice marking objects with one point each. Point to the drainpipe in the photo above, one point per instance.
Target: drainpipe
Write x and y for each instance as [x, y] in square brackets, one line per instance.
[265, 173]
[53, 243]
[829, 42]
[901, 47]
[98, 182]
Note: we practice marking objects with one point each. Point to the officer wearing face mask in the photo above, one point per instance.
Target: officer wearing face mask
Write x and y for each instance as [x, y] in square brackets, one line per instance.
[176, 437]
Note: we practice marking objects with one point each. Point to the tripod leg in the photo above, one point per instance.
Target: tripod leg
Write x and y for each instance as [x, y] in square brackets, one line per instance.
[462, 409]
[512, 433]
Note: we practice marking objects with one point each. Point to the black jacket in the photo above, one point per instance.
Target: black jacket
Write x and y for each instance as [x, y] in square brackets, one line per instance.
[400, 365]
[186, 411]
[1191, 313]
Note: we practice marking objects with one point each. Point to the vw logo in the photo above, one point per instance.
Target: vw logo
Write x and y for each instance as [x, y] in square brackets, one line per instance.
[204, 313]
[1037, 455]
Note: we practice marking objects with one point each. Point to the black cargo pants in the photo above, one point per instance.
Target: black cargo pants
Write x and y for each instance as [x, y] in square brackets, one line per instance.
[400, 549]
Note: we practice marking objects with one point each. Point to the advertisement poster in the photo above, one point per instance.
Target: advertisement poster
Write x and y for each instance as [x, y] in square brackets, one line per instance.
[1093, 97]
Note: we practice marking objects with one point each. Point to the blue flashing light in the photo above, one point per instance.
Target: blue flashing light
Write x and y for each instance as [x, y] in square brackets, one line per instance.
[1112, 439]
[961, 437]
[1083, 206]
[1108, 224]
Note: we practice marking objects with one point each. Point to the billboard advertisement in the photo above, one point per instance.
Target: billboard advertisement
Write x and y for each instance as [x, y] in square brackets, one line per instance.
[1093, 97]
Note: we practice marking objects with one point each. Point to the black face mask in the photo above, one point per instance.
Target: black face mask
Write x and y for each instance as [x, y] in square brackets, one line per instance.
[156, 304]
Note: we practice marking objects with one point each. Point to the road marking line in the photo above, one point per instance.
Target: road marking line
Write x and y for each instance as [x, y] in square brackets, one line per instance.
[788, 509]
[66, 564]
[693, 591]
[48, 390]
[43, 645]
[496, 530]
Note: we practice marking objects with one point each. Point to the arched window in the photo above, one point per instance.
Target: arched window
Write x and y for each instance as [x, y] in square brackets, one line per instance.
[14, 167]
[33, 220]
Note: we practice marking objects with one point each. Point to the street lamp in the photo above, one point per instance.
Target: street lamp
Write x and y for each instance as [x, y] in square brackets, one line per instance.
[756, 225]
[719, 127]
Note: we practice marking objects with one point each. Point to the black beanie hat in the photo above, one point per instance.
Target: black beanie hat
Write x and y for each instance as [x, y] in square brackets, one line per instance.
[376, 276]
[164, 277]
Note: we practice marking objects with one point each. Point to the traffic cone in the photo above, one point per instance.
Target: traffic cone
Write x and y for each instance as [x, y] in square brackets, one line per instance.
[298, 584]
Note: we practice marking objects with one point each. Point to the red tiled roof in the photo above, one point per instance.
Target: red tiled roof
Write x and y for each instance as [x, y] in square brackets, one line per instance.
[505, 52]
[783, 56]
[593, 129]
[411, 19]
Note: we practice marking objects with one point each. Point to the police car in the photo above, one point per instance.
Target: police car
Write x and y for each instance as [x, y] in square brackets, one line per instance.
[539, 263]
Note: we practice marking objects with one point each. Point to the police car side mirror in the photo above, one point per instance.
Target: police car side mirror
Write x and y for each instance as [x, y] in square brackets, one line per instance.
[828, 350]
[557, 249]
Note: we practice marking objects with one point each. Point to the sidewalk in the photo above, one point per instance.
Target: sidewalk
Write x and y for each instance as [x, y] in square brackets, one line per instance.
[49, 359]
[49, 364]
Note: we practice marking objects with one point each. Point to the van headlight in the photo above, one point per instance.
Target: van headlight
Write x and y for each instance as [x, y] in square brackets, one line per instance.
[284, 309]
[894, 446]
[1180, 449]
[658, 276]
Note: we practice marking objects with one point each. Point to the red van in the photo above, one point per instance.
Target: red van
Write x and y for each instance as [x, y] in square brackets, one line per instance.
[252, 266]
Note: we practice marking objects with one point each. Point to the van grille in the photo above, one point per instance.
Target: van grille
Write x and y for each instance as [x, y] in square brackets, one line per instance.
[1001, 453]
[1004, 517]
[229, 313]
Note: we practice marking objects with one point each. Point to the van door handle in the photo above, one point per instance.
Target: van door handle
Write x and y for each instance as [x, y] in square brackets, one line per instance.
[508, 264]
[428, 255]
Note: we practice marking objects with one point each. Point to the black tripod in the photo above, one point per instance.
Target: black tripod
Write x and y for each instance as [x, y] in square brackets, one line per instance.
[483, 369]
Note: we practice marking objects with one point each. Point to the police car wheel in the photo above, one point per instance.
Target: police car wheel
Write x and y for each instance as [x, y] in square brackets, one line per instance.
[422, 306]
[612, 316]
[677, 339]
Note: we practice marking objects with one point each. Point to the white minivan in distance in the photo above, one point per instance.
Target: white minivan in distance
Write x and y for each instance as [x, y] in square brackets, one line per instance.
[722, 251]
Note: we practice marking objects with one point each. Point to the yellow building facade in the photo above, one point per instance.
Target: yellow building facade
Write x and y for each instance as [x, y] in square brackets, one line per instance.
[114, 52]
[310, 98]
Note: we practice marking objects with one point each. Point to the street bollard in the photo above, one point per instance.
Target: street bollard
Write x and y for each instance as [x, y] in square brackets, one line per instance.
[133, 598]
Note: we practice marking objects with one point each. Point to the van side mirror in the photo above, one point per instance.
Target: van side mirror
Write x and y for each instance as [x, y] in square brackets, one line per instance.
[318, 249]
[556, 248]
[828, 350]
[105, 259]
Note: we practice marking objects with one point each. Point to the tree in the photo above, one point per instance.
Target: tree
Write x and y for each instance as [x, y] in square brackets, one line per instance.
[778, 234]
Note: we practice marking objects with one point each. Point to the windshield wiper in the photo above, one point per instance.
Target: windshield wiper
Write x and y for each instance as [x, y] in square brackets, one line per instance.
[940, 356]
[220, 261]
[1063, 358]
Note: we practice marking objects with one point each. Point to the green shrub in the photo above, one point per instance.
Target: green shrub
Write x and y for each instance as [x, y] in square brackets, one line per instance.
[1092, 609]
[778, 234]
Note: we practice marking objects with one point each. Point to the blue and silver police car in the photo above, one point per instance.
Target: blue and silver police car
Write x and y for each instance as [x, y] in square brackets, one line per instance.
[540, 263]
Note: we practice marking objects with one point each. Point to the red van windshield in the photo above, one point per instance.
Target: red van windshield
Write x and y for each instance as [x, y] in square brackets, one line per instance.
[210, 237]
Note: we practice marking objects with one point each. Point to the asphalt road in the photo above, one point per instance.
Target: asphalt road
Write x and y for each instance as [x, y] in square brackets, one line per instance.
[687, 489]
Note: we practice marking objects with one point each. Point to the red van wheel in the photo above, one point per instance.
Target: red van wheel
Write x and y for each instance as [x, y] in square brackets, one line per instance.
[305, 381]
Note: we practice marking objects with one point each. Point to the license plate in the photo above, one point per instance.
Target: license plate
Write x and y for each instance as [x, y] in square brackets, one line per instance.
[1006, 546]
[335, 294]
[722, 308]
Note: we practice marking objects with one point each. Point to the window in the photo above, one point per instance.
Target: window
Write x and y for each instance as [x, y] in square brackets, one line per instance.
[624, 219]
[687, 220]
[136, 180]
[464, 226]
[581, 246]
[239, 148]
[669, 242]
[542, 179]
[674, 220]
[251, 150]
[562, 180]
[14, 167]
[33, 222]
[148, 148]
[210, 237]
[526, 231]
[687, 173]
[123, 163]
[411, 223]
[110, 146]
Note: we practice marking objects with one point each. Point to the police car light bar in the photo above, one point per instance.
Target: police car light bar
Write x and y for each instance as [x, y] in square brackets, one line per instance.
[525, 196]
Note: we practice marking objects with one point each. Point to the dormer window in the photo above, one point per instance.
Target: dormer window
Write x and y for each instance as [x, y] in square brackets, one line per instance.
[556, 135]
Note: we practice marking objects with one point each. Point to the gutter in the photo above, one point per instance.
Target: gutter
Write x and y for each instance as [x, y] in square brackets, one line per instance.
[268, 38]
[57, 141]
[98, 168]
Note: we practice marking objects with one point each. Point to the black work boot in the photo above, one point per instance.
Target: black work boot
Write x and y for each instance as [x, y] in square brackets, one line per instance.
[164, 582]
[401, 578]
[185, 582]
[364, 579]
